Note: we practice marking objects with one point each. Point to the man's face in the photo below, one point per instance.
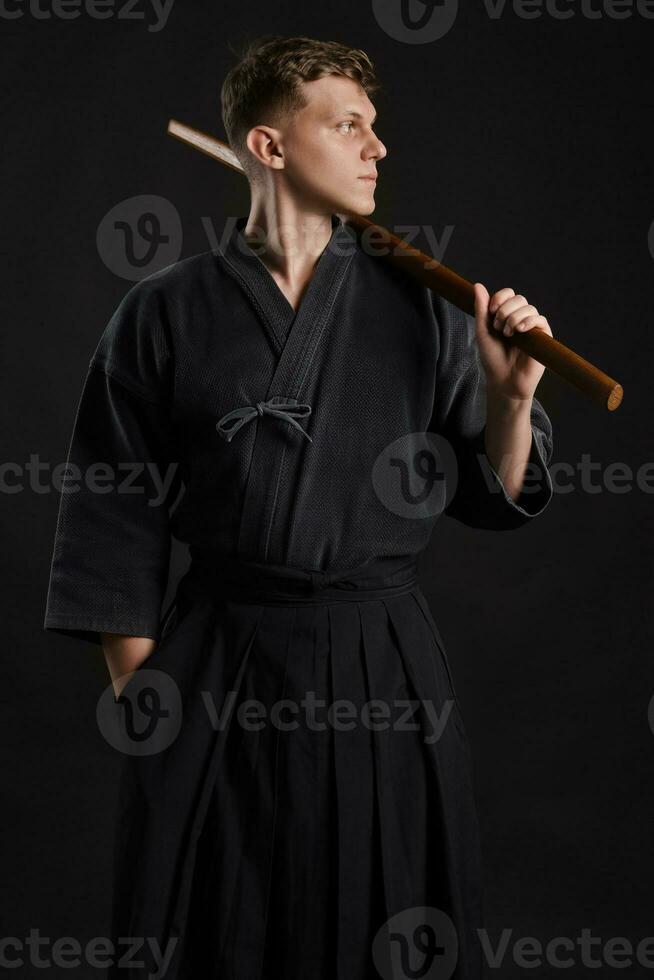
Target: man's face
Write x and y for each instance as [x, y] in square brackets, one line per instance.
[329, 147]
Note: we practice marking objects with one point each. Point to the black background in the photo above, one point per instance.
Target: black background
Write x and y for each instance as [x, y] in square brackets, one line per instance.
[528, 137]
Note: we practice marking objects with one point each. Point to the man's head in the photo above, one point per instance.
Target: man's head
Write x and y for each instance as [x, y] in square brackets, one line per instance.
[298, 110]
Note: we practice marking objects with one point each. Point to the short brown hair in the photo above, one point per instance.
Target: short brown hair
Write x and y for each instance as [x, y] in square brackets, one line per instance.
[265, 85]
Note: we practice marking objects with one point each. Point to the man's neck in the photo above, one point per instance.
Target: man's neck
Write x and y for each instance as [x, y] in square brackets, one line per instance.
[289, 242]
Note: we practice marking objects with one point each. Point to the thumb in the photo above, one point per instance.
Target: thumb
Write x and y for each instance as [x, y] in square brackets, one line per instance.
[482, 299]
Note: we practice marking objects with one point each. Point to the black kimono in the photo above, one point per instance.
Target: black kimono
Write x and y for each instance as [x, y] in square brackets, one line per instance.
[285, 449]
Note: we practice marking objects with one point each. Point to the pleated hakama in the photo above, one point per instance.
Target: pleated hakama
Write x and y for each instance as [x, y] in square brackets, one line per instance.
[318, 795]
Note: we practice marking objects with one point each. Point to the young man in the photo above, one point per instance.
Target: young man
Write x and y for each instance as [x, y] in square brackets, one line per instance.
[269, 378]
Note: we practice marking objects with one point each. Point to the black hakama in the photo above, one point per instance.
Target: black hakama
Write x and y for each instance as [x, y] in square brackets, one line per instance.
[308, 809]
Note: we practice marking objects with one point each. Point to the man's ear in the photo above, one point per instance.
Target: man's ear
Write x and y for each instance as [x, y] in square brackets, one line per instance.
[263, 142]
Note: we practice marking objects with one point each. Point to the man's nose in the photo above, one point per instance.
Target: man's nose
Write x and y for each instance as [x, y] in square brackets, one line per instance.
[377, 150]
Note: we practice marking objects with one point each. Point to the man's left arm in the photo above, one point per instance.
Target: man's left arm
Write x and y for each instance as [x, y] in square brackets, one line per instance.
[511, 380]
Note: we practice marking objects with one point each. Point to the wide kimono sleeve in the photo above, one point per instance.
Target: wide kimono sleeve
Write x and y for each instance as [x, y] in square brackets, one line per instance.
[480, 499]
[112, 542]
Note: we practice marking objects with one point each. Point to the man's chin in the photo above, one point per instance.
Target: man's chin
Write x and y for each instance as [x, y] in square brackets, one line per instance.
[359, 208]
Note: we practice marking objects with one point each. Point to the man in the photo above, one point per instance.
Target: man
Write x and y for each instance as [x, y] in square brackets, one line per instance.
[270, 377]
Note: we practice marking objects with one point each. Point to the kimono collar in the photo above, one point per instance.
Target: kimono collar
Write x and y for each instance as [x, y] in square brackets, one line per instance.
[294, 335]
[246, 265]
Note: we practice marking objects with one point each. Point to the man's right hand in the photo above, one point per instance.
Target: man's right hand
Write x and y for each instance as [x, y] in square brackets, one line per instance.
[124, 654]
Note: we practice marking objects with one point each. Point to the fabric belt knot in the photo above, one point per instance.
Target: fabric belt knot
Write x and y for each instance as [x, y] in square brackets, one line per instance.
[318, 580]
[287, 409]
[263, 582]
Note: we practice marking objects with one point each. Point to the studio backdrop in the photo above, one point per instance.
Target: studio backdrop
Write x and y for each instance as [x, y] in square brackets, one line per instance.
[517, 155]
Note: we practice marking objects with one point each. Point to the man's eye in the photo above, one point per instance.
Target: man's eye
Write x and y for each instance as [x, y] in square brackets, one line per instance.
[348, 123]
